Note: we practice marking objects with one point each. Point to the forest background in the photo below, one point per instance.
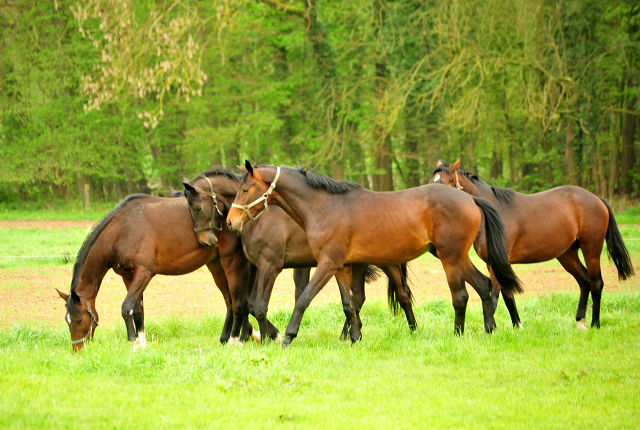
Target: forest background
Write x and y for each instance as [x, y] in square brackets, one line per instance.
[117, 97]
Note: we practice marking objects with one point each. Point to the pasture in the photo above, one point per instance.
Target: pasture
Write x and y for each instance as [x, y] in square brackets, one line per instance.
[547, 375]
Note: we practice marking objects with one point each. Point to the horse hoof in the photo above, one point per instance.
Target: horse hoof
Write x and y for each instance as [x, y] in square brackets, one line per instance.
[279, 338]
[256, 336]
[582, 324]
[518, 325]
[234, 341]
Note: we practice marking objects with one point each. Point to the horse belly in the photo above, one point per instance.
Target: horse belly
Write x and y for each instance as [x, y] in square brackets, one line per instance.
[388, 249]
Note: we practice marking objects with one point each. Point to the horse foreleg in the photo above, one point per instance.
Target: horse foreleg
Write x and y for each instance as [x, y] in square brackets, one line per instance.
[323, 273]
[345, 279]
[221, 282]
[358, 296]
[133, 302]
[509, 300]
[301, 280]
[267, 274]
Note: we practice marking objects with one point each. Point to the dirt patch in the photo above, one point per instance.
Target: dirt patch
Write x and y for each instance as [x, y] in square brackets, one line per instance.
[48, 224]
[28, 296]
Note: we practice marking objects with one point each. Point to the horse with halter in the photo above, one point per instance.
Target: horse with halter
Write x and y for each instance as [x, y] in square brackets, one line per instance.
[347, 224]
[144, 236]
[277, 242]
[551, 224]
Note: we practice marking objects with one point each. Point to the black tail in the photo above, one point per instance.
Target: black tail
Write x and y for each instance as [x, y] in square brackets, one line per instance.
[498, 257]
[617, 250]
[372, 274]
[392, 294]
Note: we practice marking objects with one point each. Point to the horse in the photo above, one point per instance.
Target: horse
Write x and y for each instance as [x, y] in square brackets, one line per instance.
[144, 236]
[551, 224]
[277, 242]
[348, 224]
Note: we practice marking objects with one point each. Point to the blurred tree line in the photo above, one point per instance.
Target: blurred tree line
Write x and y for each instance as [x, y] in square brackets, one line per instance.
[128, 95]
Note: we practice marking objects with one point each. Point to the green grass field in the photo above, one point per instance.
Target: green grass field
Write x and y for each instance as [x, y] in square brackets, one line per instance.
[546, 376]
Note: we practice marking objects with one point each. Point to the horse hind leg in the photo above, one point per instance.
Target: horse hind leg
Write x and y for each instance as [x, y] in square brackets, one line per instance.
[399, 282]
[570, 261]
[459, 294]
[592, 261]
[509, 300]
[345, 281]
[482, 285]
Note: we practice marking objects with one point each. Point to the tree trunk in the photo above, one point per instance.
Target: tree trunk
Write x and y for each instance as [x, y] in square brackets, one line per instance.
[571, 169]
[628, 158]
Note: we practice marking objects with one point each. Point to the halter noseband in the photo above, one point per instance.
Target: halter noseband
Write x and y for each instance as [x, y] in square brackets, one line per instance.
[264, 198]
[211, 225]
[94, 320]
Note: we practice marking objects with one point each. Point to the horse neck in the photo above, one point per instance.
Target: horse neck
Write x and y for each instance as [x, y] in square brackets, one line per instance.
[297, 198]
[225, 187]
[477, 190]
[94, 268]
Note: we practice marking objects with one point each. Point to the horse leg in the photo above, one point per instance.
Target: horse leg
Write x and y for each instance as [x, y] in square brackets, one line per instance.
[322, 275]
[509, 300]
[459, 295]
[221, 282]
[570, 261]
[301, 279]
[345, 279]
[483, 287]
[139, 281]
[358, 296]
[591, 256]
[394, 274]
[267, 275]
[138, 316]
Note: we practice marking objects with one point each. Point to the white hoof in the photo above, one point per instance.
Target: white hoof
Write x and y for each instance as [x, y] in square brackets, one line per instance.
[519, 325]
[256, 336]
[234, 341]
[140, 342]
[582, 324]
[279, 338]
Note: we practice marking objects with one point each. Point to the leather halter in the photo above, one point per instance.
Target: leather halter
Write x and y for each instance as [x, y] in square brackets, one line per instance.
[259, 200]
[94, 320]
[211, 225]
[458, 186]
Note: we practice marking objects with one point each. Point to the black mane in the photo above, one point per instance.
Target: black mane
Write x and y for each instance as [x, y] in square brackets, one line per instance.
[218, 171]
[504, 195]
[330, 185]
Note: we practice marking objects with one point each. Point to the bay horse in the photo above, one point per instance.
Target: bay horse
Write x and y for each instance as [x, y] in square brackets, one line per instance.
[348, 224]
[278, 242]
[551, 224]
[144, 236]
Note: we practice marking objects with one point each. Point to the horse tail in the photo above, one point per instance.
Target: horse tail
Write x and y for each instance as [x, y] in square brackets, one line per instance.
[617, 250]
[496, 249]
[392, 294]
[372, 274]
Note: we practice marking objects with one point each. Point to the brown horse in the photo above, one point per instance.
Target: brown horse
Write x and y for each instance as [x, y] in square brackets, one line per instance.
[277, 242]
[551, 224]
[144, 236]
[347, 224]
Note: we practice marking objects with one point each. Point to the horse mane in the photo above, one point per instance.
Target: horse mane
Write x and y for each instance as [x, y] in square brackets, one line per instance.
[330, 185]
[504, 195]
[218, 171]
[88, 243]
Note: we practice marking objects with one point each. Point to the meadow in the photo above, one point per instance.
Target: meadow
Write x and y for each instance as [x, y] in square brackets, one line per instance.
[547, 375]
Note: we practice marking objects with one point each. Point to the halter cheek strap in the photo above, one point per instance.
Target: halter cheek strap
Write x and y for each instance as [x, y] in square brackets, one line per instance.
[211, 225]
[259, 200]
[94, 320]
[458, 186]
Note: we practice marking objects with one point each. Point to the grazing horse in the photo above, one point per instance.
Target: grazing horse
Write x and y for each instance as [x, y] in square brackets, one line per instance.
[144, 236]
[551, 224]
[347, 224]
[277, 242]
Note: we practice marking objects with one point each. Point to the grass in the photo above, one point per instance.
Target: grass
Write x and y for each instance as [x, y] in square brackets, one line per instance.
[546, 376]
[22, 248]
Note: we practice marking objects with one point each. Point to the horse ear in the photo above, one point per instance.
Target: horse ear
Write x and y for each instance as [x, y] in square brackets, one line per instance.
[455, 166]
[248, 166]
[62, 295]
[440, 163]
[241, 168]
[187, 185]
[75, 297]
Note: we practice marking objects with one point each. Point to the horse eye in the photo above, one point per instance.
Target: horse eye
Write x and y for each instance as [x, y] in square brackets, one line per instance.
[198, 209]
[246, 190]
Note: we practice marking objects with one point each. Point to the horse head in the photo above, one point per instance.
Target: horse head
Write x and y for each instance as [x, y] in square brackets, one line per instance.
[252, 199]
[81, 319]
[447, 174]
[205, 211]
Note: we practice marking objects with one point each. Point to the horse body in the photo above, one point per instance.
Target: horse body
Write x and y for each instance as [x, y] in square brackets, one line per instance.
[346, 224]
[551, 224]
[142, 237]
[278, 242]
